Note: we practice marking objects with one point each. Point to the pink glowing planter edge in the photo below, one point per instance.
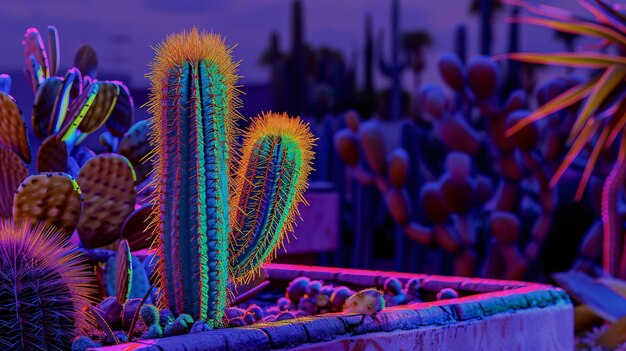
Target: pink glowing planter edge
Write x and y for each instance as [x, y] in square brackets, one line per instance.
[495, 304]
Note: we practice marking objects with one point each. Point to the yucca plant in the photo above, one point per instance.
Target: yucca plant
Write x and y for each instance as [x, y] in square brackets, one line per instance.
[601, 119]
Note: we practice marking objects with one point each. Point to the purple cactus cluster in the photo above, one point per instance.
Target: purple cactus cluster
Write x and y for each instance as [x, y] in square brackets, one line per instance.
[304, 297]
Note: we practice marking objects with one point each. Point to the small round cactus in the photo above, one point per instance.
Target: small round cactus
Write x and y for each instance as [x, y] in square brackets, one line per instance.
[256, 311]
[154, 332]
[313, 288]
[339, 298]
[187, 318]
[322, 300]
[447, 293]
[297, 289]
[273, 311]
[393, 286]
[412, 290]
[327, 290]
[165, 317]
[177, 327]
[149, 315]
[284, 304]
[199, 327]
[83, 343]
[308, 305]
[248, 318]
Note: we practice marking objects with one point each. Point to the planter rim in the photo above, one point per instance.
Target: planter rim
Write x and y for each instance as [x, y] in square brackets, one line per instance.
[492, 297]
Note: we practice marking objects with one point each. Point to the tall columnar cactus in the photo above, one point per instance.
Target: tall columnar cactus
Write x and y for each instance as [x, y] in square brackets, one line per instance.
[44, 288]
[194, 103]
[368, 71]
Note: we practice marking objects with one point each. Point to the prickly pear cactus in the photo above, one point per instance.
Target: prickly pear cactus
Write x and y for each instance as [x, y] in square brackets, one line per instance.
[12, 172]
[52, 155]
[135, 228]
[51, 198]
[135, 147]
[12, 128]
[108, 185]
[43, 106]
[121, 117]
[37, 64]
[91, 109]
[123, 272]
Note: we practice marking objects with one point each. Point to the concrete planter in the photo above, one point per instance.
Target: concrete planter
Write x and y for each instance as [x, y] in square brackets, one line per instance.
[490, 315]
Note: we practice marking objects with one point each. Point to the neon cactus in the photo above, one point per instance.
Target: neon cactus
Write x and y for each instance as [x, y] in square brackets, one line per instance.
[270, 182]
[43, 289]
[194, 102]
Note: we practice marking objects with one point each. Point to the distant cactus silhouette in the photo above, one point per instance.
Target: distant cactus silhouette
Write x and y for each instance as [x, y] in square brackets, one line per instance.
[398, 62]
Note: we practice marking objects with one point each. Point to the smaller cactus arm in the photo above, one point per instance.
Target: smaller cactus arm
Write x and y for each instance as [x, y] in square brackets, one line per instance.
[264, 221]
[253, 194]
[275, 167]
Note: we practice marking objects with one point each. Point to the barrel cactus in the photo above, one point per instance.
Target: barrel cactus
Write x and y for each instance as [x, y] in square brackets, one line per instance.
[204, 210]
[44, 287]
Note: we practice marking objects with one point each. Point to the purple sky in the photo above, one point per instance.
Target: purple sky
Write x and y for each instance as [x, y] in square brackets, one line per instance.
[123, 31]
